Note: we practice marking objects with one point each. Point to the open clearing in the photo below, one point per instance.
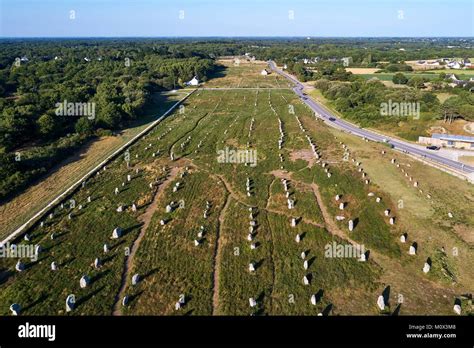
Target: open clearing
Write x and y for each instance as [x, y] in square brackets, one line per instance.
[221, 233]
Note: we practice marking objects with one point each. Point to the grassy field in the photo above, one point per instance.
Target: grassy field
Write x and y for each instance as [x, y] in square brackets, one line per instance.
[243, 74]
[213, 277]
[72, 169]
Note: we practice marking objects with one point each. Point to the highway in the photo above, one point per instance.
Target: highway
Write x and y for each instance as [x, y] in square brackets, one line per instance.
[397, 144]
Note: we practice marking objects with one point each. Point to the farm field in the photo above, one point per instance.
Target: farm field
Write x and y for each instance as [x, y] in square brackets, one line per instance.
[467, 72]
[206, 234]
[461, 74]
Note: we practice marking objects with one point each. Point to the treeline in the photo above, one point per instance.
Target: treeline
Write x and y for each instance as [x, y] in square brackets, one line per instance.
[360, 101]
[113, 79]
[366, 52]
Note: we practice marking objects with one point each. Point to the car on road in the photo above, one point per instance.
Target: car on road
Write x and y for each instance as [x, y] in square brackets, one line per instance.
[433, 147]
[332, 119]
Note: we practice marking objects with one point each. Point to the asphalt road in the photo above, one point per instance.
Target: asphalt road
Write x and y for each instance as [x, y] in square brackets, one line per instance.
[337, 122]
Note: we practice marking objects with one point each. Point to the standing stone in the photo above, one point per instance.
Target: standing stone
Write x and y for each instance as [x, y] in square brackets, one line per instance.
[125, 300]
[20, 267]
[457, 309]
[252, 302]
[135, 279]
[84, 282]
[15, 309]
[70, 301]
[117, 233]
[305, 280]
[97, 263]
[381, 302]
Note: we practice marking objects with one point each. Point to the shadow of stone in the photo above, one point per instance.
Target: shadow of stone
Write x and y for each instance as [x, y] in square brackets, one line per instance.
[356, 222]
[311, 261]
[319, 295]
[88, 296]
[259, 263]
[68, 261]
[150, 273]
[42, 298]
[93, 199]
[46, 249]
[130, 229]
[99, 276]
[386, 295]
[60, 234]
[134, 296]
[327, 310]
[5, 274]
[260, 297]
[115, 246]
[108, 258]
[396, 312]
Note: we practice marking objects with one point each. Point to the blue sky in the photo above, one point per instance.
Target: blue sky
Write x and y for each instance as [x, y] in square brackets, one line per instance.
[51, 18]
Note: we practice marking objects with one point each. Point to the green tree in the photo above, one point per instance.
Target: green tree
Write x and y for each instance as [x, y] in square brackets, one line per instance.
[417, 82]
[84, 126]
[399, 79]
[451, 108]
[46, 125]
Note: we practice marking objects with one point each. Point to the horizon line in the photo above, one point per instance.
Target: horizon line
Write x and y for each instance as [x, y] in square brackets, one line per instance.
[230, 37]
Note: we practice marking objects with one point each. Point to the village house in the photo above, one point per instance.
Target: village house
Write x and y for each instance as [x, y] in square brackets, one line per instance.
[346, 61]
[193, 82]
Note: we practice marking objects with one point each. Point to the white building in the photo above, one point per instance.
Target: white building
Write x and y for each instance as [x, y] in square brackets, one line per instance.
[346, 61]
[264, 72]
[193, 82]
[454, 65]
